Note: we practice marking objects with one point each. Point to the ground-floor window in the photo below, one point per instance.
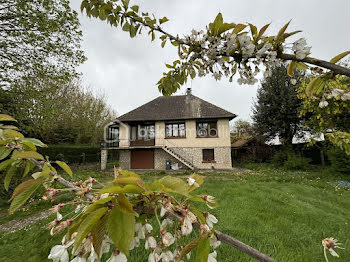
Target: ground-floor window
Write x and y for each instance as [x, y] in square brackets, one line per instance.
[208, 155]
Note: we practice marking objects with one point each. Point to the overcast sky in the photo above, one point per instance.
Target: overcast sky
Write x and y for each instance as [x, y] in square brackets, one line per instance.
[127, 70]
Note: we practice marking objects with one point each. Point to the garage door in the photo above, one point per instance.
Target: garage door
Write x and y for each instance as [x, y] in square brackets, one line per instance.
[142, 159]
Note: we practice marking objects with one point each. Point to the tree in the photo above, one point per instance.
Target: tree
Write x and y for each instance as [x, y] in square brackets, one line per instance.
[65, 113]
[276, 111]
[241, 130]
[39, 39]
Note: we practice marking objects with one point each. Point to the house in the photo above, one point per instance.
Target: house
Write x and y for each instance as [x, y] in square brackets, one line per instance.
[249, 149]
[176, 132]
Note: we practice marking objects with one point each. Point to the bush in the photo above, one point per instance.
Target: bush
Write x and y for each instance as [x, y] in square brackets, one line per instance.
[76, 153]
[295, 162]
[279, 158]
[339, 160]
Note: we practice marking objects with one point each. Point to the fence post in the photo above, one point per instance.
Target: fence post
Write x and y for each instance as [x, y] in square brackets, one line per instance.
[104, 157]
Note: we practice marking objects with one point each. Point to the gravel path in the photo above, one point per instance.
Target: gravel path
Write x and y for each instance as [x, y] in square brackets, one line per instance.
[18, 224]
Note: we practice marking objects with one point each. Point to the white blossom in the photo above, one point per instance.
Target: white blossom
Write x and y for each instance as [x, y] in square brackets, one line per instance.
[214, 243]
[210, 219]
[186, 226]
[167, 256]
[168, 239]
[293, 81]
[150, 243]
[134, 243]
[191, 181]
[212, 257]
[153, 257]
[118, 258]
[323, 104]
[167, 222]
[79, 259]
[300, 49]
[59, 253]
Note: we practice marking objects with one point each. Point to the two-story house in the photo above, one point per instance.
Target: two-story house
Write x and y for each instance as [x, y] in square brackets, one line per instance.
[177, 132]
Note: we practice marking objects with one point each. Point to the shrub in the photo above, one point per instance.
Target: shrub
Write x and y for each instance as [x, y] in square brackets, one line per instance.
[296, 162]
[77, 153]
[279, 158]
[339, 160]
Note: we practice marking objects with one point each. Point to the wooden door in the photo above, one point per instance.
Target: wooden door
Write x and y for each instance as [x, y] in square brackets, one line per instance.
[142, 159]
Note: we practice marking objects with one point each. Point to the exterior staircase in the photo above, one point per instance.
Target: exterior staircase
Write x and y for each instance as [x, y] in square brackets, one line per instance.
[179, 157]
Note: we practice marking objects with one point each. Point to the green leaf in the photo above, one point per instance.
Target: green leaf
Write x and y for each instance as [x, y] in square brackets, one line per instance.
[135, 8]
[121, 229]
[9, 174]
[163, 43]
[44, 172]
[29, 146]
[125, 3]
[174, 184]
[126, 27]
[35, 141]
[12, 134]
[4, 152]
[262, 31]
[198, 214]
[286, 35]
[29, 166]
[163, 20]
[5, 164]
[188, 248]
[238, 28]
[23, 192]
[301, 66]
[279, 36]
[98, 234]
[125, 206]
[87, 224]
[29, 154]
[203, 250]
[290, 69]
[115, 189]
[315, 86]
[339, 57]
[4, 117]
[214, 27]
[254, 30]
[65, 167]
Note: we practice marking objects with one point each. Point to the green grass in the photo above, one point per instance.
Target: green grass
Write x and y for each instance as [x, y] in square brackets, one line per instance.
[281, 213]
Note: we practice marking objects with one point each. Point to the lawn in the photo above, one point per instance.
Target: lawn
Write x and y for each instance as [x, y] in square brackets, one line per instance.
[281, 213]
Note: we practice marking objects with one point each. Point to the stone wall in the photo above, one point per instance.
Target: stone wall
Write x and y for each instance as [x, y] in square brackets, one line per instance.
[124, 159]
[222, 156]
[160, 156]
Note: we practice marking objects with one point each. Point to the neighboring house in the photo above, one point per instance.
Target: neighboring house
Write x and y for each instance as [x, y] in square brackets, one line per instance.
[176, 132]
[250, 149]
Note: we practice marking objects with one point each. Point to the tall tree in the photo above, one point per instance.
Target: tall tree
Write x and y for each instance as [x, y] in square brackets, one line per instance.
[276, 111]
[65, 113]
[38, 38]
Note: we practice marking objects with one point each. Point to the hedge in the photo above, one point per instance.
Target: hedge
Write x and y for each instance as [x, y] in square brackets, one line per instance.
[76, 153]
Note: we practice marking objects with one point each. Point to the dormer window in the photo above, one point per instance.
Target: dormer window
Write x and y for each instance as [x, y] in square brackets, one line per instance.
[175, 130]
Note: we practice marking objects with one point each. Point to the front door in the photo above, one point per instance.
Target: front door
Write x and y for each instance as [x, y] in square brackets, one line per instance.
[142, 159]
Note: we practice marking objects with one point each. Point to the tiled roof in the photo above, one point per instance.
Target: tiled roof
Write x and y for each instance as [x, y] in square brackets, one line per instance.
[176, 108]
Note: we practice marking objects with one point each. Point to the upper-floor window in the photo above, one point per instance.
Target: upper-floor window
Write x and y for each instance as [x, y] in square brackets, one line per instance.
[142, 132]
[175, 130]
[207, 129]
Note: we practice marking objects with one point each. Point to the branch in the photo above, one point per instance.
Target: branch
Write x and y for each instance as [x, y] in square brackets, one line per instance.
[243, 247]
[318, 62]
